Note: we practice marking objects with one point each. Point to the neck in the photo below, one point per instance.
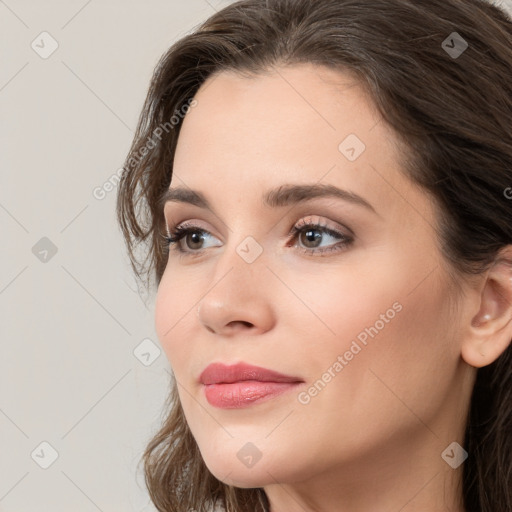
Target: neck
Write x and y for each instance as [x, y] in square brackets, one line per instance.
[398, 479]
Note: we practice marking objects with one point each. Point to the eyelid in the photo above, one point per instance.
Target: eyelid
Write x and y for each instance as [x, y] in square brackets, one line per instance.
[192, 224]
[309, 220]
[305, 220]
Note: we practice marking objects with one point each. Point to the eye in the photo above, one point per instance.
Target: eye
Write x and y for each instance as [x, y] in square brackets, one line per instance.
[309, 234]
[192, 235]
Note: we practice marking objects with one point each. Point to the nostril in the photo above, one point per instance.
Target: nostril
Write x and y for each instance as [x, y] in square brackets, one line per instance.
[243, 322]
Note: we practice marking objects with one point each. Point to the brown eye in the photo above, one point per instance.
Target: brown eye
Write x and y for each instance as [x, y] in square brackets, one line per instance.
[310, 237]
[195, 239]
[192, 236]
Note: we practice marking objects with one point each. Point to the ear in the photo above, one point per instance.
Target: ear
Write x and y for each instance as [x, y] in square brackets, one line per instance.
[490, 332]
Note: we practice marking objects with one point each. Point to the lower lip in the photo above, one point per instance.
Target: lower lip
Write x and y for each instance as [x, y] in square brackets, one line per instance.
[244, 393]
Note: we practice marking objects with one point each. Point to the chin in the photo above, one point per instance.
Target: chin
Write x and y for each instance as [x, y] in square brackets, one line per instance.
[245, 468]
[250, 479]
[229, 467]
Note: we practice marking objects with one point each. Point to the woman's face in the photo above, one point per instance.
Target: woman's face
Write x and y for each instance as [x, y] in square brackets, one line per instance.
[355, 308]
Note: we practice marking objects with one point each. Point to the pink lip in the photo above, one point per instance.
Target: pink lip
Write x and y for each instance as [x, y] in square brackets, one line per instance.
[241, 385]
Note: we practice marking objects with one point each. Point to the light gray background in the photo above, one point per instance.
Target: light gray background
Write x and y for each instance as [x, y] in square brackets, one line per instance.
[70, 324]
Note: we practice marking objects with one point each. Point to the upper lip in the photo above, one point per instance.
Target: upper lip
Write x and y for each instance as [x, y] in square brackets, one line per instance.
[219, 373]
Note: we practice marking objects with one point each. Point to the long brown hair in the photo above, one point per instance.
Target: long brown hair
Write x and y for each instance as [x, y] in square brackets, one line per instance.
[451, 107]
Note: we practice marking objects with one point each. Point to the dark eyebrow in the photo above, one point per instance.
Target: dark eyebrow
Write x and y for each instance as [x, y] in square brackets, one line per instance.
[279, 197]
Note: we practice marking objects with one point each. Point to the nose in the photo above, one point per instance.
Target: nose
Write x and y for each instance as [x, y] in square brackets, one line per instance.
[239, 302]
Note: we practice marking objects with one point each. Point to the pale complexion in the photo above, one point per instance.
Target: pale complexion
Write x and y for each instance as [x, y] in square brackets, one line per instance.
[372, 438]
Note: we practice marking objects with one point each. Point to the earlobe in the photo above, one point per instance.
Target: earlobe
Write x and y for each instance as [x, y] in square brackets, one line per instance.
[490, 332]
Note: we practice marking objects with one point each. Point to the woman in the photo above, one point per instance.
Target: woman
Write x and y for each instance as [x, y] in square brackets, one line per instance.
[325, 190]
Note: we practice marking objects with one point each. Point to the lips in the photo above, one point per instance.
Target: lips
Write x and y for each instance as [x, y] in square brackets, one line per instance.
[218, 373]
[242, 385]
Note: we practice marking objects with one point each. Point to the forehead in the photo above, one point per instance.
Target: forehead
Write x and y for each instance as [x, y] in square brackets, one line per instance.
[248, 134]
[285, 101]
[300, 112]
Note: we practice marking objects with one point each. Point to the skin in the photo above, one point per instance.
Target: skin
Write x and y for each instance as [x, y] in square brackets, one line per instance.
[372, 438]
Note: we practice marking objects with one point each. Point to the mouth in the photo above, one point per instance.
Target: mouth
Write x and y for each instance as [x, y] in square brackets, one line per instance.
[241, 385]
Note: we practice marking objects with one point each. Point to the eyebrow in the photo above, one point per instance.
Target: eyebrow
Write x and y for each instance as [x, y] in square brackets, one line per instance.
[284, 195]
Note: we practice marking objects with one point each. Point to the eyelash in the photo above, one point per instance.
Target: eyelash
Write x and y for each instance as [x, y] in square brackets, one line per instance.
[181, 231]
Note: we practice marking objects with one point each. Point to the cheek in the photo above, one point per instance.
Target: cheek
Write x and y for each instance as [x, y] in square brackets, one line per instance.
[341, 307]
[395, 344]
[383, 318]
